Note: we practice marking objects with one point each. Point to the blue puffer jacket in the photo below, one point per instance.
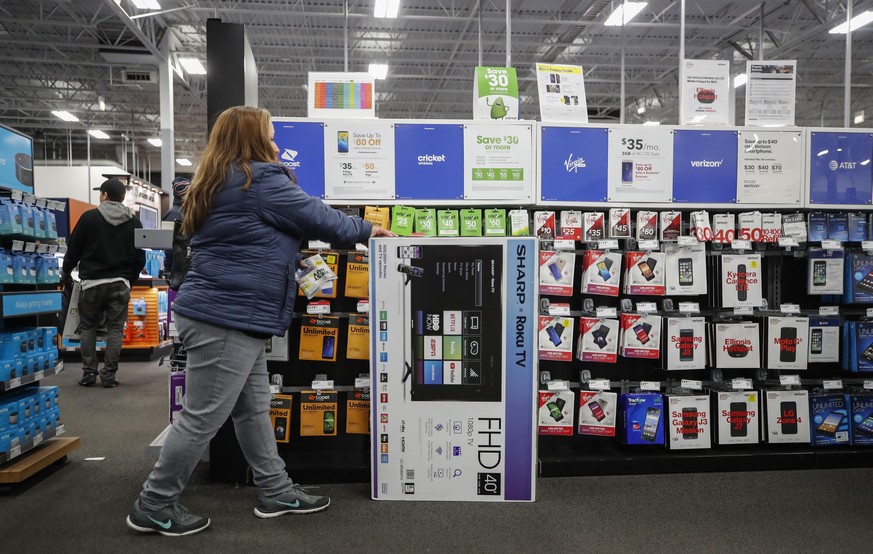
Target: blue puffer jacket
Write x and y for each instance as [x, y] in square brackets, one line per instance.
[245, 254]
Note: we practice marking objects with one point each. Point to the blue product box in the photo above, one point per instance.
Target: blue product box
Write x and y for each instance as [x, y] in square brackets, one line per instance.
[43, 270]
[49, 337]
[818, 226]
[51, 225]
[26, 219]
[643, 421]
[52, 357]
[7, 370]
[862, 351]
[12, 344]
[838, 226]
[139, 306]
[13, 210]
[33, 336]
[8, 440]
[11, 413]
[19, 268]
[41, 361]
[857, 227]
[31, 268]
[859, 279]
[7, 271]
[40, 229]
[829, 419]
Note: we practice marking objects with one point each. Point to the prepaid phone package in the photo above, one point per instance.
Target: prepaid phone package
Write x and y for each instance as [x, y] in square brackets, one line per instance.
[786, 342]
[640, 336]
[601, 273]
[689, 421]
[598, 340]
[556, 272]
[280, 416]
[597, 413]
[738, 416]
[358, 412]
[787, 414]
[644, 273]
[737, 345]
[824, 339]
[686, 269]
[686, 343]
[741, 281]
[829, 417]
[825, 271]
[318, 413]
[643, 421]
[861, 404]
[556, 338]
[555, 412]
[859, 279]
[318, 338]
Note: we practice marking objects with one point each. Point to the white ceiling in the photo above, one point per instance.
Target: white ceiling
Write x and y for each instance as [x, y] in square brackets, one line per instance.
[68, 54]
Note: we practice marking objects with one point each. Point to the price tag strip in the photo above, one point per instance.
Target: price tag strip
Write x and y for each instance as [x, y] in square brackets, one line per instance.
[691, 384]
[598, 384]
[650, 385]
[832, 384]
[558, 385]
[689, 308]
[789, 380]
[741, 383]
[606, 312]
[362, 382]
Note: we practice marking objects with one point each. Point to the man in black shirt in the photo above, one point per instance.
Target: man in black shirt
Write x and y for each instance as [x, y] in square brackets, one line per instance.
[109, 264]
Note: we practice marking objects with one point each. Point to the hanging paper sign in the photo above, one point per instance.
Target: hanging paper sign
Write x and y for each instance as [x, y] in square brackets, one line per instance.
[561, 91]
[770, 92]
[495, 93]
[341, 95]
[705, 91]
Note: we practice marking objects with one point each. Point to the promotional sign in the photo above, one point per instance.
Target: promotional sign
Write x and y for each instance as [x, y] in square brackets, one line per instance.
[341, 95]
[705, 166]
[429, 161]
[768, 168]
[495, 93]
[16, 160]
[640, 164]
[301, 149]
[770, 92]
[498, 162]
[705, 92]
[573, 164]
[840, 170]
[453, 327]
[561, 91]
[359, 160]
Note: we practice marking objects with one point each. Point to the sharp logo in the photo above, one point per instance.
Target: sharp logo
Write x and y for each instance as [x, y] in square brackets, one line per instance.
[706, 163]
[835, 165]
[290, 158]
[572, 165]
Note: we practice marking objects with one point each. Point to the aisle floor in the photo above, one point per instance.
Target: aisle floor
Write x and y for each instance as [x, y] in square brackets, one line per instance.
[81, 505]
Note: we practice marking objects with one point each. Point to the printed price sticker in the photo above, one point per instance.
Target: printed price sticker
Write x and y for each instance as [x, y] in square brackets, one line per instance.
[691, 384]
[830, 244]
[603, 311]
[829, 310]
[648, 244]
[29, 198]
[741, 244]
[14, 452]
[363, 307]
[558, 385]
[559, 309]
[41, 202]
[61, 430]
[322, 384]
[832, 384]
[61, 206]
[30, 247]
[362, 382]
[743, 310]
[14, 383]
[689, 308]
[39, 375]
[17, 195]
[788, 380]
[564, 244]
[275, 389]
[646, 307]
[741, 383]
[319, 245]
[17, 245]
[868, 384]
[318, 308]
[42, 248]
[867, 245]
[869, 312]
[610, 244]
[53, 249]
[788, 242]
[650, 385]
[789, 308]
[37, 439]
[598, 384]
[688, 241]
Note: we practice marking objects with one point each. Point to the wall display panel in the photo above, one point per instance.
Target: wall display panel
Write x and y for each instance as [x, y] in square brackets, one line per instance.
[498, 162]
[768, 168]
[301, 149]
[840, 171]
[429, 161]
[16, 160]
[359, 160]
[640, 164]
[705, 166]
[573, 164]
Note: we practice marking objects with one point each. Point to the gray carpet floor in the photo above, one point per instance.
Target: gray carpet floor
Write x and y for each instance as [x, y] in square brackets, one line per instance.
[81, 506]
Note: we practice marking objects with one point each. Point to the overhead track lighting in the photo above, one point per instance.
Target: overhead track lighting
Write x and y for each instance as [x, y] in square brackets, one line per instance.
[855, 23]
[193, 66]
[65, 115]
[624, 13]
[378, 70]
[156, 142]
[98, 134]
[184, 162]
[386, 8]
[146, 4]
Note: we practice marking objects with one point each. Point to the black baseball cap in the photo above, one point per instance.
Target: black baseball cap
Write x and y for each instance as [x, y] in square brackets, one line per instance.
[114, 188]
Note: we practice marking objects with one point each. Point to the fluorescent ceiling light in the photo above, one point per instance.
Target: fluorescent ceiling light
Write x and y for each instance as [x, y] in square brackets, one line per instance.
[386, 8]
[856, 23]
[624, 13]
[65, 115]
[184, 162]
[650, 123]
[96, 133]
[146, 4]
[193, 66]
[156, 142]
[740, 80]
[378, 70]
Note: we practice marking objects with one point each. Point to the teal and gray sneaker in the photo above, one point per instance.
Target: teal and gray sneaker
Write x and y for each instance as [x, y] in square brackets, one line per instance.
[172, 521]
[294, 501]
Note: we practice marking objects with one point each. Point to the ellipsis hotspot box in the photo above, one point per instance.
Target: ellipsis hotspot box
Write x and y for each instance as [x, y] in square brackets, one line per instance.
[737, 345]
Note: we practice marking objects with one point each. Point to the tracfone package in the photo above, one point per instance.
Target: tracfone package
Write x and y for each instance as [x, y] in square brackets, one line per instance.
[686, 343]
[556, 412]
[601, 272]
[786, 342]
[787, 416]
[598, 340]
[738, 414]
[829, 418]
[643, 418]
[597, 413]
[690, 422]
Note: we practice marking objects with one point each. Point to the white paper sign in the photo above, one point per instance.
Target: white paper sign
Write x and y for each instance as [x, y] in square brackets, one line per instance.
[359, 160]
[498, 162]
[705, 92]
[341, 95]
[770, 92]
[641, 164]
[561, 91]
[768, 168]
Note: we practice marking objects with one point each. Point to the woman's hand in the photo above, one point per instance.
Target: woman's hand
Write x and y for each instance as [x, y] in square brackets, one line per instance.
[380, 232]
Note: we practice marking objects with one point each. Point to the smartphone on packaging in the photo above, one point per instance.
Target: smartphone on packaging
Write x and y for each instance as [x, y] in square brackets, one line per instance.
[866, 283]
[819, 273]
[650, 426]
[690, 430]
[327, 347]
[281, 426]
[647, 268]
[788, 411]
[627, 171]
[596, 411]
[342, 142]
[866, 426]
[742, 284]
[788, 345]
[739, 425]
[686, 345]
[329, 422]
[686, 272]
[642, 334]
[816, 341]
[831, 423]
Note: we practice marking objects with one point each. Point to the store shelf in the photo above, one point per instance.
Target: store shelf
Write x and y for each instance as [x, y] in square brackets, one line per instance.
[23, 449]
[27, 379]
[51, 451]
[16, 304]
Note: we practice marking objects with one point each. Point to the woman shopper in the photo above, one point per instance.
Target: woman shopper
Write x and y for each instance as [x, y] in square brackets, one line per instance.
[246, 217]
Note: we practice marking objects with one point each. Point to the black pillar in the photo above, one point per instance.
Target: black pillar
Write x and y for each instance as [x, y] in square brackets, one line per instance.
[231, 74]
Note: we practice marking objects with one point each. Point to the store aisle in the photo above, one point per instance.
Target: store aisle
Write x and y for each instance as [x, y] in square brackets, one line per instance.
[81, 506]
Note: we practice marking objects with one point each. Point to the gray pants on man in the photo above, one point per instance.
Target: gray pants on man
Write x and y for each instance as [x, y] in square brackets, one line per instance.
[109, 300]
[226, 376]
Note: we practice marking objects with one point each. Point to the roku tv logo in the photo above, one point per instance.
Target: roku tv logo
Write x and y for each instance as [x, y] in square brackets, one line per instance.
[707, 163]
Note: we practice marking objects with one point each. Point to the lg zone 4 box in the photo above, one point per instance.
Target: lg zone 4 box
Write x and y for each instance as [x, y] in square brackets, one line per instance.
[690, 423]
[643, 418]
[597, 413]
[787, 416]
[738, 414]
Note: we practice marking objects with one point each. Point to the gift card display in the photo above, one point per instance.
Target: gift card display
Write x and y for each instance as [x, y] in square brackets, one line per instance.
[556, 273]
[741, 281]
[619, 223]
[724, 228]
[737, 345]
[598, 340]
[597, 413]
[571, 225]
[544, 225]
[786, 342]
[640, 336]
[593, 226]
[771, 227]
[601, 272]
[647, 225]
[686, 343]
[671, 225]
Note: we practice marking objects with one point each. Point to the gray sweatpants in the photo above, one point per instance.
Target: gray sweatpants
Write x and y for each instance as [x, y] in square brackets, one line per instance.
[226, 376]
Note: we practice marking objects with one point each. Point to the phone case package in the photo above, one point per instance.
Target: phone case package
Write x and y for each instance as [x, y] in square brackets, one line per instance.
[598, 340]
[556, 273]
[556, 339]
[738, 414]
[737, 345]
[593, 226]
[671, 225]
[544, 224]
[786, 342]
[829, 418]
[686, 343]
[787, 416]
[862, 417]
[824, 339]
[555, 413]
[647, 225]
[825, 271]
[571, 225]
[598, 413]
[686, 269]
[601, 273]
[643, 418]
[741, 281]
[640, 336]
[689, 421]
[862, 350]
[619, 223]
[724, 228]
[859, 279]
[644, 273]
